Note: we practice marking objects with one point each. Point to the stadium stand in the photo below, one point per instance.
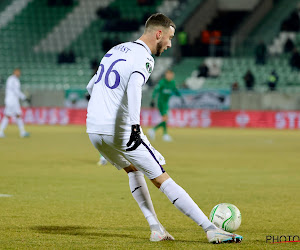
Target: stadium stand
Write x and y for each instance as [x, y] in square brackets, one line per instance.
[37, 20]
[4, 4]
[9, 9]
[185, 68]
[22, 33]
[234, 67]
[34, 25]
[269, 27]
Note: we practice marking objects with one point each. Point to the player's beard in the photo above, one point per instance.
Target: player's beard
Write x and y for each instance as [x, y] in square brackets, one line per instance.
[158, 49]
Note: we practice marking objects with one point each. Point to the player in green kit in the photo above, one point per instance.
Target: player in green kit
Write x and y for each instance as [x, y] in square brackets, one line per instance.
[165, 89]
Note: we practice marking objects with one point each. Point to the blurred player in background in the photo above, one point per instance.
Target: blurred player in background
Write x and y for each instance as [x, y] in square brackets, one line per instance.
[165, 88]
[113, 126]
[13, 95]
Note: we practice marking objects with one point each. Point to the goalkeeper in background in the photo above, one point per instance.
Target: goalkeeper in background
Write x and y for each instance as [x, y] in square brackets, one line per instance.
[165, 89]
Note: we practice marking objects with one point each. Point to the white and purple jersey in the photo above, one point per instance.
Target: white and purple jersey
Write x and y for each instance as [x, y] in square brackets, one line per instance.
[116, 89]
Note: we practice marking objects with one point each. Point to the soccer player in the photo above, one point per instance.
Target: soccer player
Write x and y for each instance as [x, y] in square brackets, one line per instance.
[12, 105]
[113, 125]
[165, 89]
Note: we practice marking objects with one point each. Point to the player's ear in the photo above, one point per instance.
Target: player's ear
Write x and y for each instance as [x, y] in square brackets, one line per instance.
[158, 34]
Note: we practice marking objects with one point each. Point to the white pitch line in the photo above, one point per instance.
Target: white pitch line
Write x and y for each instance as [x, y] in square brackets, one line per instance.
[5, 195]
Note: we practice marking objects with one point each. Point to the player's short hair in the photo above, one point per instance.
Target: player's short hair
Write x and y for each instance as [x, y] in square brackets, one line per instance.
[159, 19]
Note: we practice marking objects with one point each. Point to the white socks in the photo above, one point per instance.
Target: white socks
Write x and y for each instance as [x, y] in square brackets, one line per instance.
[140, 193]
[4, 123]
[20, 124]
[176, 194]
[180, 198]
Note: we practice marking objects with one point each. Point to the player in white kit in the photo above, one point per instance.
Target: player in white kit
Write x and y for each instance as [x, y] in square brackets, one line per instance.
[13, 95]
[113, 125]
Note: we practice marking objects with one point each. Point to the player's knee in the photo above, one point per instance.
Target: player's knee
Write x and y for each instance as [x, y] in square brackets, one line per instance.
[160, 179]
[130, 168]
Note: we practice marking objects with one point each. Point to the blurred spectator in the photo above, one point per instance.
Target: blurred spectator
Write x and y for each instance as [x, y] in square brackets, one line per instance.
[60, 2]
[145, 17]
[295, 60]
[214, 70]
[205, 37]
[67, 2]
[292, 23]
[71, 56]
[66, 57]
[182, 41]
[121, 25]
[108, 43]
[260, 53]
[249, 80]
[273, 80]
[108, 13]
[235, 86]
[94, 65]
[215, 37]
[203, 70]
[289, 45]
[145, 2]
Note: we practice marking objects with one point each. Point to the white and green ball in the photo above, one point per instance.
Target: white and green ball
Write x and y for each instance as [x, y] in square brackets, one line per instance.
[226, 216]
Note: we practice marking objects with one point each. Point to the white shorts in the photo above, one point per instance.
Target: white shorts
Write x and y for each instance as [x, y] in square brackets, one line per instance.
[12, 110]
[145, 158]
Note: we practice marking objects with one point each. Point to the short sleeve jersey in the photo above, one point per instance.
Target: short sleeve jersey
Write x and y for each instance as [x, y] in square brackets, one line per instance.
[108, 106]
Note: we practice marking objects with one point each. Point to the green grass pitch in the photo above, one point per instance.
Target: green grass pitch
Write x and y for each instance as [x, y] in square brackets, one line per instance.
[62, 200]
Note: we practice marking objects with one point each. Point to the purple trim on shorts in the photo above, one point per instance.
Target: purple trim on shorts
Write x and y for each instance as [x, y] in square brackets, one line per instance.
[107, 55]
[141, 74]
[153, 156]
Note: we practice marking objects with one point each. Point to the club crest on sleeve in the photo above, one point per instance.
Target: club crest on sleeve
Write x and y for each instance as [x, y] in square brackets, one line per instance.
[149, 67]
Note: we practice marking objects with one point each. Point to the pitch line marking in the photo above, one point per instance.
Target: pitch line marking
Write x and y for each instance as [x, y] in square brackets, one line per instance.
[5, 195]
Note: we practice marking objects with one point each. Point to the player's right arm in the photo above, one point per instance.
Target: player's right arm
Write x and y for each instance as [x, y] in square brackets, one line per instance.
[90, 85]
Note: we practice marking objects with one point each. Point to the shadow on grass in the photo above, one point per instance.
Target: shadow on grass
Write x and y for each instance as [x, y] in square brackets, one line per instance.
[79, 231]
[99, 232]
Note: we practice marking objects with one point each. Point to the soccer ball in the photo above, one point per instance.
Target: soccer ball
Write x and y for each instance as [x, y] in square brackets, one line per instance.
[226, 216]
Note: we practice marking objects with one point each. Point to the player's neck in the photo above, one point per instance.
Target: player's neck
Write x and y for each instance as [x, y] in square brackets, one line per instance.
[149, 43]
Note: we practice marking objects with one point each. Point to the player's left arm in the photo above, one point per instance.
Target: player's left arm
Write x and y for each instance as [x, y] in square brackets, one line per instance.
[134, 96]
